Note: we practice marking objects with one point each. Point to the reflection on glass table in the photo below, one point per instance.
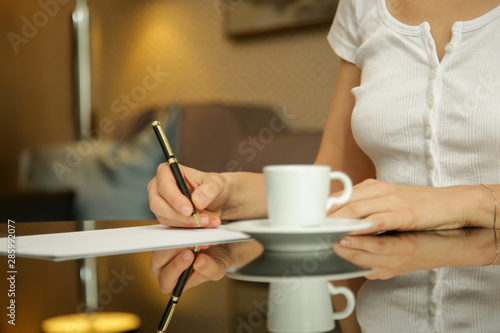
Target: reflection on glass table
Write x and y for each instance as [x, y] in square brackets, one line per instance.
[442, 280]
[427, 259]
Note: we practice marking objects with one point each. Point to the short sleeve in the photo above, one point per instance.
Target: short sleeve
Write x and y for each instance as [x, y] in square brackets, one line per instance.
[343, 33]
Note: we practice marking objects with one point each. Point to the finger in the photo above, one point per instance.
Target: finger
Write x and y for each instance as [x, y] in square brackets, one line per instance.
[367, 189]
[207, 193]
[355, 256]
[381, 266]
[372, 244]
[362, 208]
[214, 221]
[166, 214]
[167, 188]
[207, 269]
[160, 259]
[169, 274]
[381, 222]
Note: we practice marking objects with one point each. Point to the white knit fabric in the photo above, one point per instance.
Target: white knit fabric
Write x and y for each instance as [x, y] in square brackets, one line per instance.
[426, 122]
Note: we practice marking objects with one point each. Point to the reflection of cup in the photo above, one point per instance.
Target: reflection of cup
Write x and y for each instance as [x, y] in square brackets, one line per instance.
[297, 195]
[305, 306]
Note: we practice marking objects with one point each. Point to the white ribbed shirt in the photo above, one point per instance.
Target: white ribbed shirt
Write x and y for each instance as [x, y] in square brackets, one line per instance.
[426, 122]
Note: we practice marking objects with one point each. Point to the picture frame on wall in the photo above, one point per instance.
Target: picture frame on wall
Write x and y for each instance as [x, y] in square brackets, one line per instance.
[257, 17]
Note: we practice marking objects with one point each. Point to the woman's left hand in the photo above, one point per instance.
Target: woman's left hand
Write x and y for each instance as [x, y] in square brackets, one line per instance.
[386, 256]
[395, 254]
[391, 206]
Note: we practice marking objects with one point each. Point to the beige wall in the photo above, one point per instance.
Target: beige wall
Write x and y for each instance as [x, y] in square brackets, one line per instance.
[184, 40]
[35, 83]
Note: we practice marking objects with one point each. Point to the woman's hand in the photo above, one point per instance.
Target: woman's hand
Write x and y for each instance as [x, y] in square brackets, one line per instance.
[209, 192]
[406, 208]
[210, 265]
[396, 254]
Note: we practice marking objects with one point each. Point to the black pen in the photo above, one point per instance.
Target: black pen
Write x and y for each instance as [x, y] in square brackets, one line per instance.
[172, 161]
[176, 295]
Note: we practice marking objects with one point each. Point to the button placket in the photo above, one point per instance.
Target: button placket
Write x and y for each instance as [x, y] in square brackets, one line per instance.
[431, 103]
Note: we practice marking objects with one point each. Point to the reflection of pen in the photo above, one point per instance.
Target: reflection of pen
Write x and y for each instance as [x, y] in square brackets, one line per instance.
[172, 161]
[176, 295]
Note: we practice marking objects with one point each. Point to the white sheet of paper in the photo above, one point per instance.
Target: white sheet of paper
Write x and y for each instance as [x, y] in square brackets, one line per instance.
[103, 242]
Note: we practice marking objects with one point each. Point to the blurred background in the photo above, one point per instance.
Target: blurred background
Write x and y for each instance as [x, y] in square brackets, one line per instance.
[262, 59]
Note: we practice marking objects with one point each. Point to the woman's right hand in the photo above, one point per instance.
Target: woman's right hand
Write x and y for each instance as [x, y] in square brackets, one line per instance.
[209, 193]
[210, 265]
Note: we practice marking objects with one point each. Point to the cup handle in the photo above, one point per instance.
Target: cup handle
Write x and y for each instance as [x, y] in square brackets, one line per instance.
[346, 181]
[349, 308]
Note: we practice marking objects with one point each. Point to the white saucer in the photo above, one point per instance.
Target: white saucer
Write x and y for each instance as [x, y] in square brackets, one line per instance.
[298, 239]
[296, 266]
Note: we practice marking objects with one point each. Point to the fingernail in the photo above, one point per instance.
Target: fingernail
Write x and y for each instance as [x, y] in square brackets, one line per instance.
[200, 219]
[203, 219]
[345, 242]
[186, 255]
[200, 263]
[185, 210]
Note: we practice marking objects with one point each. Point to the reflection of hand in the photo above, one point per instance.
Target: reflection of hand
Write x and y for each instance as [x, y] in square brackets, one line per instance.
[392, 255]
[210, 265]
[172, 208]
[408, 208]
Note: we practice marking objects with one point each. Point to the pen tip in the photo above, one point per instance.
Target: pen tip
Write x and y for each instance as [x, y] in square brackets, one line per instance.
[156, 123]
[195, 217]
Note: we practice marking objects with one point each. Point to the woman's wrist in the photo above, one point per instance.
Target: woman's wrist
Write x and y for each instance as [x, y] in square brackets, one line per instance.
[481, 206]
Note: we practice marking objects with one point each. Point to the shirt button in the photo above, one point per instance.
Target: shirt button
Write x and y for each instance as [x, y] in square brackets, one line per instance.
[433, 277]
[430, 103]
[428, 132]
[430, 163]
[449, 48]
[433, 73]
[433, 308]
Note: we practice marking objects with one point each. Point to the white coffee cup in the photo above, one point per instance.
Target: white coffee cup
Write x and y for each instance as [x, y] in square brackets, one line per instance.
[305, 306]
[297, 195]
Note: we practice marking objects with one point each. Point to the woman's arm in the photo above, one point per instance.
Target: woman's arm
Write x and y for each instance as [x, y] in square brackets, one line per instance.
[338, 148]
[340, 151]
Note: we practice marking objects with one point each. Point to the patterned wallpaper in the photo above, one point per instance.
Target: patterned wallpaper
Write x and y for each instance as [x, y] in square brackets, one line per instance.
[149, 52]
[185, 40]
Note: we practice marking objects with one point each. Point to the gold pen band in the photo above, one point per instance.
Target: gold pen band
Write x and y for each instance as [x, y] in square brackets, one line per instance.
[157, 124]
[170, 315]
[172, 160]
